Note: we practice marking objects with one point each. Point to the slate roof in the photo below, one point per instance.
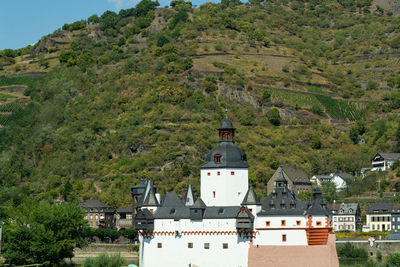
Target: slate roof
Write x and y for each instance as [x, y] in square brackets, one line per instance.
[251, 197]
[216, 212]
[226, 124]
[231, 156]
[344, 208]
[199, 204]
[96, 205]
[282, 201]
[295, 173]
[396, 208]
[379, 207]
[125, 210]
[150, 199]
[189, 197]
[317, 206]
[390, 156]
[171, 199]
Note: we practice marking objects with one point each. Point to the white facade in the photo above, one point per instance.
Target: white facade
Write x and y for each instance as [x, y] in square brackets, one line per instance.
[224, 186]
[344, 222]
[339, 182]
[198, 243]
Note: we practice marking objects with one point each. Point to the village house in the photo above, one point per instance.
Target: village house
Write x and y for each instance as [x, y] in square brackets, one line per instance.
[98, 214]
[383, 161]
[379, 217]
[396, 217]
[228, 225]
[123, 218]
[340, 179]
[296, 177]
[346, 216]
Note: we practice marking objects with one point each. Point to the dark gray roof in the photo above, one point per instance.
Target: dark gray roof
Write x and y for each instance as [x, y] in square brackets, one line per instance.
[216, 212]
[189, 197]
[389, 156]
[231, 156]
[317, 206]
[281, 178]
[226, 124]
[344, 208]
[125, 210]
[150, 198]
[251, 197]
[282, 201]
[144, 214]
[147, 188]
[380, 207]
[179, 212]
[199, 204]
[171, 199]
[295, 173]
[96, 205]
[344, 175]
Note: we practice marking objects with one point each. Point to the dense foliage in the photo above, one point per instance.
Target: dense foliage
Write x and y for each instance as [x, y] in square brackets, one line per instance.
[37, 232]
[140, 94]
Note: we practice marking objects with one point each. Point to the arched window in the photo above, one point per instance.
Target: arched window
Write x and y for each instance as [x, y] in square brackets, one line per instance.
[217, 158]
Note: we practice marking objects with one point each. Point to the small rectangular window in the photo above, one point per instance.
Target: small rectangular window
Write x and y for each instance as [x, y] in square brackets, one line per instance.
[283, 238]
[319, 223]
[206, 245]
[213, 194]
[283, 222]
[268, 223]
[208, 173]
[251, 210]
[232, 173]
[298, 223]
[218, 173]
[159, 245]
[225, 245]
[190, 245]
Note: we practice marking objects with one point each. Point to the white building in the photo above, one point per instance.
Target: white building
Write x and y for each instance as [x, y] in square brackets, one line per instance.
[383, 161]
[340, 179]
[346, 217]
[228, 220]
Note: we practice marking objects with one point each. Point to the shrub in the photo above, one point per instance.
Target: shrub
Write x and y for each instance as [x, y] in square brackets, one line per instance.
[349, 250]
[273, 116]
[104, 260]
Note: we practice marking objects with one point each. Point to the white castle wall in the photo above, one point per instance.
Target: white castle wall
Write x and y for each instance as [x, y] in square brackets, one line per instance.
[235, 255]
[229, 189]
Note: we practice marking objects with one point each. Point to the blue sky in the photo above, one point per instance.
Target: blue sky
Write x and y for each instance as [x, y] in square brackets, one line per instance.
[24, 22]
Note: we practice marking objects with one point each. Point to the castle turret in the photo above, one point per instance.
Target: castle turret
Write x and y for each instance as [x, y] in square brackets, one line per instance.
[224, 175]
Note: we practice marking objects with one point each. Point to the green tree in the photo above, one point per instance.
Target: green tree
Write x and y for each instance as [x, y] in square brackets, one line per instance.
[129, 233]
[329, 191]
[37, 232]
[273, 116]
[393, 260]
[354, 135]
[316, 142]
[305, 195]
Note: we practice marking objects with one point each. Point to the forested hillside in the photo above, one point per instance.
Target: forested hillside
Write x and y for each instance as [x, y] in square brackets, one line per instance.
[118, 97]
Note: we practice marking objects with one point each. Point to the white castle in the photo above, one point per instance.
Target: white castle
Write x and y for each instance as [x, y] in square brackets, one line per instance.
[228, 226]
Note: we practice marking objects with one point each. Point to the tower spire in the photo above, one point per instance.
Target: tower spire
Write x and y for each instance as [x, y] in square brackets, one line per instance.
[226, 112]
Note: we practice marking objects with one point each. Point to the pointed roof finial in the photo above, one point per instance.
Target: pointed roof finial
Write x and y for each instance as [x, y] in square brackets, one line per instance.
[226, 112]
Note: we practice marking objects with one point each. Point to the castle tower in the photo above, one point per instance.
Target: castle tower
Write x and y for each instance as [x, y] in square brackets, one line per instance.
[224, 175]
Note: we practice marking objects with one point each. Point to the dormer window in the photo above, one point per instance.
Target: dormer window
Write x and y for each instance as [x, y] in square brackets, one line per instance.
[283, 206]
[172, 211]
[292, 205]
[221, 211]
[350, 210]
[272, 206]
[244, 157]
[217, 158]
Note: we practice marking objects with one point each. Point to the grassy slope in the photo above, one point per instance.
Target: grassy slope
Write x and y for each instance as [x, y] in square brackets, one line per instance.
[132, 110]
